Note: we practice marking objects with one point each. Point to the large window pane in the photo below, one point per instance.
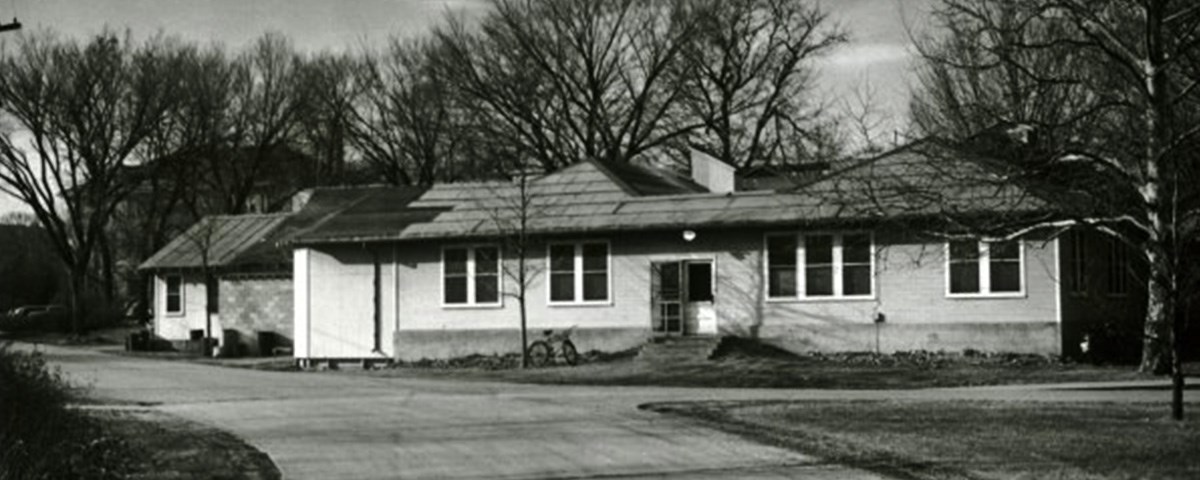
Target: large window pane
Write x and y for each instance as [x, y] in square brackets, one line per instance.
[781, 270]
[487, 260]
[1004, 260]
[562, 287]
[856, 249]
[782, 282]
[964, 267]
[455, 289]
[595, 257]
[856, 280]
[856, 265]
[1006, 276]
[964, 251]
[562, 258]
[818, 281]
[595, 286]
[964, 277]
[818, 250]
[700, 282]
[1004, 251]
[818, 265]
[487, 288]
[595, 272]
[669, 281]
[455, 261]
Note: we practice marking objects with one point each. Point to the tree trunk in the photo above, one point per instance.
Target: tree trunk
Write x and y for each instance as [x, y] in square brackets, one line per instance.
[1160, 311]
[1177, 328]
[524, 334]
[78, 282]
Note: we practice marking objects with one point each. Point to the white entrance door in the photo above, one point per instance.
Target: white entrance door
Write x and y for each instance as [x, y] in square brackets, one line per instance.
[700, 316]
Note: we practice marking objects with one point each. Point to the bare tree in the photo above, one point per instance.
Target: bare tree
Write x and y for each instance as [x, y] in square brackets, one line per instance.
[327, 110]
[1107, 92]
[242, 114]
[560, 81]
[74, 116]
[513, 209]
[749, 80]
[408, 126]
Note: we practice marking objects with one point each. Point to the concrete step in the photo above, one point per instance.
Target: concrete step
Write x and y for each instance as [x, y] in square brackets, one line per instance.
[677, 349]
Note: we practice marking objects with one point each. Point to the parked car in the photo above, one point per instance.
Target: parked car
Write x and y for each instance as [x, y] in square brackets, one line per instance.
[35, 317]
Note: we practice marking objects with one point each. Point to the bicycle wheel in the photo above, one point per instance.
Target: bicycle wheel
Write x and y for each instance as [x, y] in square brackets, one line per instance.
[539, 353]
[569, 353]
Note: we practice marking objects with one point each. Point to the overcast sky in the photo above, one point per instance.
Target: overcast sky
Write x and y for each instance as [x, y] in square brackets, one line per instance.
[879, 49]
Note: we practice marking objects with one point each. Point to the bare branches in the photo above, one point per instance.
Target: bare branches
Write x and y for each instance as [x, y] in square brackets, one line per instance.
[75, 115]
[749, 79]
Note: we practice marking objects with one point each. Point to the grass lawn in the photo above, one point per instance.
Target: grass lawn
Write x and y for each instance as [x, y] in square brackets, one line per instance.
[169, 447]
[943, 440]
[752, 365]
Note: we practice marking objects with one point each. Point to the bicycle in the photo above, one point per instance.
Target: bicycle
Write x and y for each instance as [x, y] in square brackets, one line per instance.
[542, 351]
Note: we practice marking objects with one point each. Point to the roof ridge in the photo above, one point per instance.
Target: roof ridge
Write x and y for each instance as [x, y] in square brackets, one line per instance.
[613, 177]
[858, 163]
[248, 215]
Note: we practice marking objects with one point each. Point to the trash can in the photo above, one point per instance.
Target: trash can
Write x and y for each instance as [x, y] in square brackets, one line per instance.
[231, 343]
[137, 341]
[266, 343]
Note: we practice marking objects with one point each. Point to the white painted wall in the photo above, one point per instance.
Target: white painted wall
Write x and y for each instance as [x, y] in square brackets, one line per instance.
[301, 343]
[341, 306]
[910, 290]
[175, 326]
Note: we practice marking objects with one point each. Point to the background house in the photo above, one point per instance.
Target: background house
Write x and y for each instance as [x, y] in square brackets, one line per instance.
[227, 276]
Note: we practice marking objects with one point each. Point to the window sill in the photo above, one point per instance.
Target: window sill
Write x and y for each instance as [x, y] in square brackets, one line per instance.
[180, 313]
[472, 306]
[602, 303]
[984, 296]
[854, 299]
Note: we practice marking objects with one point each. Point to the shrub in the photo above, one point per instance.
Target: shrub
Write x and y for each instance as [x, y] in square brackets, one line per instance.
[40, 436]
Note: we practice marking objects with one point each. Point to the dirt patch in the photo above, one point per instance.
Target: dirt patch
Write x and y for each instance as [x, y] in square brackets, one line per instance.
[169, 447]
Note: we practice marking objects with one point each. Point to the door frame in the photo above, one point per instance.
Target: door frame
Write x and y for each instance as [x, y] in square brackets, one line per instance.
[683, 301]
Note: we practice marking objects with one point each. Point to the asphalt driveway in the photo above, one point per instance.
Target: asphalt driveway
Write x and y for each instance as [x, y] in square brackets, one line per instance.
[346, 426]
[343, 425]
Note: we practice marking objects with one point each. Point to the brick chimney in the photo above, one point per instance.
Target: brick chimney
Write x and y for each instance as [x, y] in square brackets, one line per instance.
[710, 173]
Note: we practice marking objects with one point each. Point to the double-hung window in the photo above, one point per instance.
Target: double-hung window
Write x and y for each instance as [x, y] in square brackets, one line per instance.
[471, 276]
[985, 268]
[174, 294]
[1118, 268]
[579, 273]
[826, 265]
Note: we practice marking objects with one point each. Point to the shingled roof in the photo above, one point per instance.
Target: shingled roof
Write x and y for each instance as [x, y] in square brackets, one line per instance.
[225, 238]
[914, 181]
[259, 240]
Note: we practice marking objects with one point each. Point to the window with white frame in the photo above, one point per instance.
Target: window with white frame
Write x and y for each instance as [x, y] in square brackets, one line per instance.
[985, 268]
[824, 265]
[471, 275]
[174, 293]
[1118, 268]
[579, 272]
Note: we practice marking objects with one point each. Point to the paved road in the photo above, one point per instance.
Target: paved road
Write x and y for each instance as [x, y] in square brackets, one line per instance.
[347, 426]
[341, 425]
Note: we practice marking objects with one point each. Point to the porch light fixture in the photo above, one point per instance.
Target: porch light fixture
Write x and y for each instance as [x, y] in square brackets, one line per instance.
[689, 235]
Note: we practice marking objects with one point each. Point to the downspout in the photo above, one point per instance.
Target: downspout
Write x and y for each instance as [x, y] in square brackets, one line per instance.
[396, 301]
[378, 293]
